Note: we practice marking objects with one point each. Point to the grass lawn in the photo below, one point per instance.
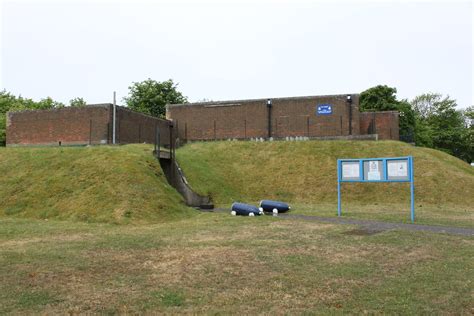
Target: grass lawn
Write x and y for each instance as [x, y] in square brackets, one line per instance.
[304, 175]
[440, 214]
[220, 264]
[114, 184]
[99, 230]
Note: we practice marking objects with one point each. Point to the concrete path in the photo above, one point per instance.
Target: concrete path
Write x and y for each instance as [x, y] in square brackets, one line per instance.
[375, 226]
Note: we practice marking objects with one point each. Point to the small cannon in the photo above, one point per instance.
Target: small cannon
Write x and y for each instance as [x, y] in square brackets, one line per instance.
[245, 210]
[274, 207]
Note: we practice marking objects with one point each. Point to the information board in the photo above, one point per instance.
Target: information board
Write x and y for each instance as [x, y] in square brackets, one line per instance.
[373, 170]
[396, 169]
[350, 170]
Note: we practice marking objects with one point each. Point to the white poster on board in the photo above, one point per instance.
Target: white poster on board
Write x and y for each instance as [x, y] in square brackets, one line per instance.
[398, 169]
[350, 170]
[374, 172]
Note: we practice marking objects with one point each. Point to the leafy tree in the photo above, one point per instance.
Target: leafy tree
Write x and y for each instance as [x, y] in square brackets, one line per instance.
[440, 125]
[384, 98]
[468, 115]
[407, 121]
[423, 104]
[423, 133]
[2, 129]
[78, 102]
[204, 100]
[47, 103]
[150, 97]
[379, 98]
[7, 102]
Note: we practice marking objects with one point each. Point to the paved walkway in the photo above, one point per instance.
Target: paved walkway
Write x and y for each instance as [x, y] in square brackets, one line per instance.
[376, 226]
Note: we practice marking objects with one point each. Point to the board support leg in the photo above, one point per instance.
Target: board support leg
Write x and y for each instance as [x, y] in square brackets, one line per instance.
[338, 198]
[338, 188]
[412, 191]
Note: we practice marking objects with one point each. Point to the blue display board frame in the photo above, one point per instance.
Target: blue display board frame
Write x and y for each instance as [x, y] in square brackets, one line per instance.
[384, 176]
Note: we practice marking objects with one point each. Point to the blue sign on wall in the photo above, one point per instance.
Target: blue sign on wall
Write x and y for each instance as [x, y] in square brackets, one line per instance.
[324, 109]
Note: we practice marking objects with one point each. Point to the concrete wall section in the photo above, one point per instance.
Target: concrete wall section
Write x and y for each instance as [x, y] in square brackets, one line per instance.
[69, 125]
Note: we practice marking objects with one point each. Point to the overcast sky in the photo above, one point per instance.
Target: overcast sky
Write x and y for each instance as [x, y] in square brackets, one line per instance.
[236, 50]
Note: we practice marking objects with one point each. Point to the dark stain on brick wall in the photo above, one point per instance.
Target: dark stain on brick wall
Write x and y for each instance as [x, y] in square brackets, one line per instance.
[385, 124]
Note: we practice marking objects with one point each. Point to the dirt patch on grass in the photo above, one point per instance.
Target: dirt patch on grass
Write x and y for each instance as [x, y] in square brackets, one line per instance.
[110, 278]
[404, 257]
[255, 267]
[301, 225]
[363, 232]
[335, 255]
[53, 238]
[204, 265]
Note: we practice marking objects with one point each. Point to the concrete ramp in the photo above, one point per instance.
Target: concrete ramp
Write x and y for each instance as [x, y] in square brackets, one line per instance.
[176, 179]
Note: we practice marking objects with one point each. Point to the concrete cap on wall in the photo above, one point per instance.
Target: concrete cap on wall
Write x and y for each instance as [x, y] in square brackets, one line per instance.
[238, 102]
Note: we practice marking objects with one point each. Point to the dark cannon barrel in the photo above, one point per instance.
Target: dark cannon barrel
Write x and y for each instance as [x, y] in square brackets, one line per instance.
[244, 209]
[271, 206]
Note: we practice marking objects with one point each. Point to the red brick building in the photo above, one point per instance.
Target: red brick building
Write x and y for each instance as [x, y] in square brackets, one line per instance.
[332, 116]
[329, 116]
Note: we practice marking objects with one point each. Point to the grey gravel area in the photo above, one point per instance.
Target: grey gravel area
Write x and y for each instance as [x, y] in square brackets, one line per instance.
[375, 226]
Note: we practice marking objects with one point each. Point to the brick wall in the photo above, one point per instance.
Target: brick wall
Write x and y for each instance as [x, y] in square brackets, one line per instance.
[249, 118]
[134, 127]
[82, 126]
[199, 121]
[70, 126]
[385, 124]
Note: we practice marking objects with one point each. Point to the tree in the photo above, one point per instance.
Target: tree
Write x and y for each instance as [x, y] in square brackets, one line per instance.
[440, 125]
[379, 98]
[7, 103]
[46, 104]
[384, 98]
[150, 97]
[77, 102]
[468, 115]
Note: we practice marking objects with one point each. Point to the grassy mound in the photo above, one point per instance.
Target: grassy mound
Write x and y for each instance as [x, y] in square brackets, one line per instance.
[97, 184]
[304, 174]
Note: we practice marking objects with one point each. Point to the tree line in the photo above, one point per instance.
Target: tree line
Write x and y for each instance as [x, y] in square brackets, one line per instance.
[429, 120]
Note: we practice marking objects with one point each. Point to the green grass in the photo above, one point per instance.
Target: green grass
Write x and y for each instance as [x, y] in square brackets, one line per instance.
[125, 184]
[122, 184]
[61, 251]
[219, 264]
[304, 174]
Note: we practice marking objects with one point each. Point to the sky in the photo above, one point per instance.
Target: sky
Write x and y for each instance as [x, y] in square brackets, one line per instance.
[226, 50]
